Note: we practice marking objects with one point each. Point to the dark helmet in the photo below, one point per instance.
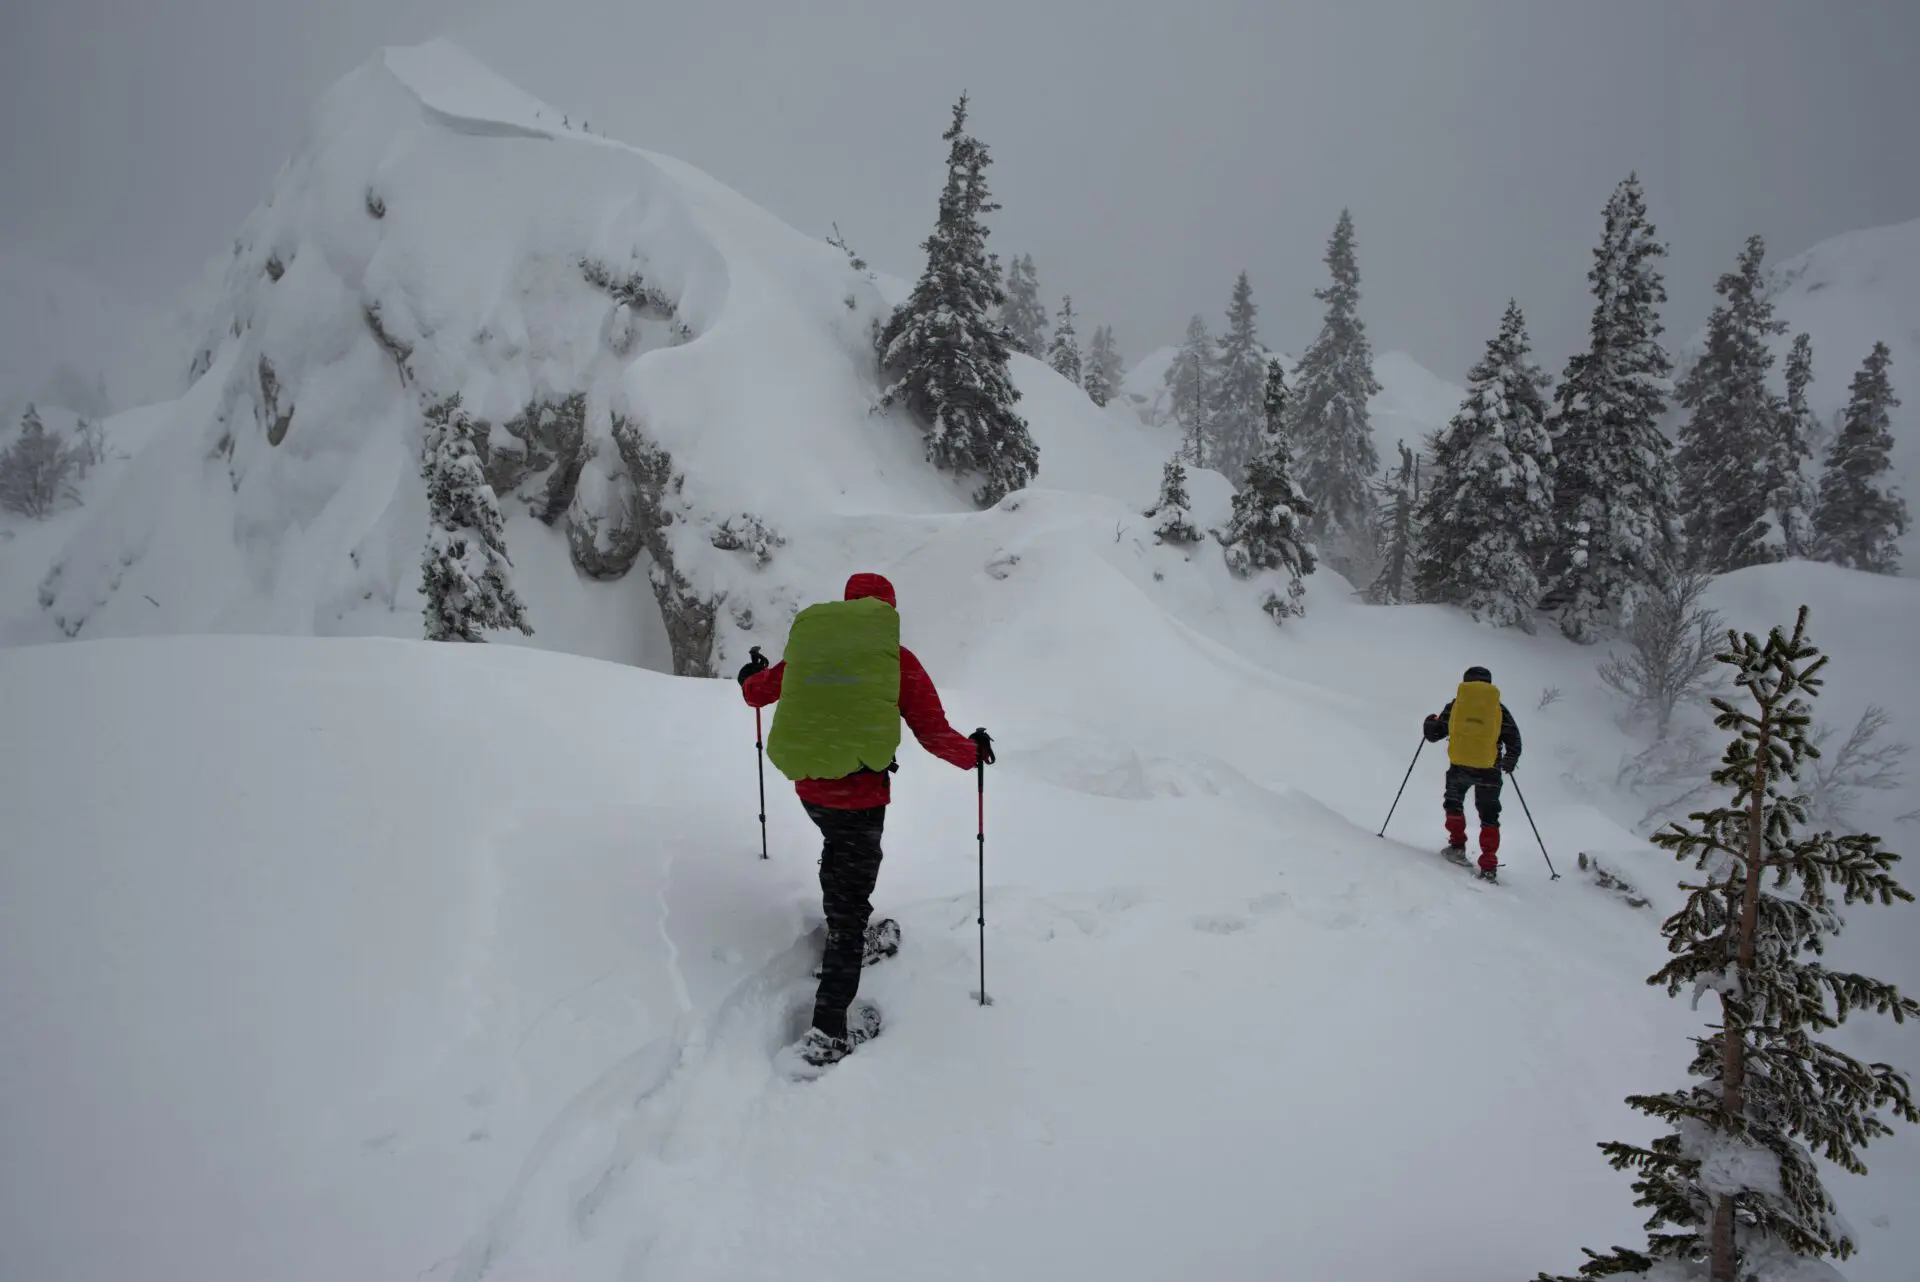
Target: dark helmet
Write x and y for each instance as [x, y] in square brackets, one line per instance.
[1478, 674]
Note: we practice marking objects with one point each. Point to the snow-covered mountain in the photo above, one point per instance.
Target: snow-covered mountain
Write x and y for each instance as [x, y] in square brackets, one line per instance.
[1412, 400]
[331, 956]
[677, 387]
[1847, 293]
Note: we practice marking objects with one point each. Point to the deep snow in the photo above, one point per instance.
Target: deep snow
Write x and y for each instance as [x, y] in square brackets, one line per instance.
[356, 957]
[316, 965]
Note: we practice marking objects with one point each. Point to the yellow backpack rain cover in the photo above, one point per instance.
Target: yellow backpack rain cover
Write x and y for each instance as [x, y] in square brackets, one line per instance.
[1473, 732]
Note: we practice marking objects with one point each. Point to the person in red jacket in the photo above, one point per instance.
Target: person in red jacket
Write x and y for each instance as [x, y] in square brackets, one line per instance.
[851, 812]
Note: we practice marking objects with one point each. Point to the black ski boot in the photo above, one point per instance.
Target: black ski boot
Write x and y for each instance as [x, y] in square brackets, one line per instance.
[882, 942]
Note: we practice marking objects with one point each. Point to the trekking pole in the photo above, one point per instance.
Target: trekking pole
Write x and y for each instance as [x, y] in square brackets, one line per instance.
[980, 769]
[1403, 787]
[1536, 827]
[760, 762]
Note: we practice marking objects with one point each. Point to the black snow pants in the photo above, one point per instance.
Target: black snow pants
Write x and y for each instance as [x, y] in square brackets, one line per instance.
[1485, 783]
[849, 867]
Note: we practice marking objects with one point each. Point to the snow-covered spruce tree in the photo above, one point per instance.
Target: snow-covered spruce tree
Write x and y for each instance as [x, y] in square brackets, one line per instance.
[1399, 531]
[1860, 516]
[1329, 423]
[1733, 1189]
[464, 572]
[1064, 354]
[1171, 513]
[1615, 507]
[1268, 528]
[36, 471]
[1487, 517]
[1791, 510]
[1236, 414]
[1729, 445]
[1189, 382]
[943, 350]
[1103, 366]
[1023, 313]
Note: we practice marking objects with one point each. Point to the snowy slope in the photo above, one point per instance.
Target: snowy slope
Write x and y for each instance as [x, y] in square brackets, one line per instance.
[662, 364]
[313, 965]
[1413, 401]
[1849, 292]
[333, 956]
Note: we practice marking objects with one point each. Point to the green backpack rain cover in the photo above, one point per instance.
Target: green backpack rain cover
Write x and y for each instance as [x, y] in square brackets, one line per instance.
[839, 708]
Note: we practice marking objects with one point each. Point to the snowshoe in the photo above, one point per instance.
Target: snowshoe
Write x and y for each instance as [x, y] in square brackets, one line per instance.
[883, 941]
[1487, 874]
[1456, 854]
[816, 1052]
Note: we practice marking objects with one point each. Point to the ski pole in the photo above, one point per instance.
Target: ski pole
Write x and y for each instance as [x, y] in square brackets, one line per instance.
[760, 762]
[980, 770]
[1536, 827]
[1403, 787]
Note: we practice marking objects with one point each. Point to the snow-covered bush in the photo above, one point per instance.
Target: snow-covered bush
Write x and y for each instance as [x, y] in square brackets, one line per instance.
[1670, 654]
[38, 469]
[748, 533]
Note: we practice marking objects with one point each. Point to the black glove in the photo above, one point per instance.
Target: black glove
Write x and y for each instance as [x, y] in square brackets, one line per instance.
[984, 742]
[1431, 729]
[1509, 764]
[755, 666]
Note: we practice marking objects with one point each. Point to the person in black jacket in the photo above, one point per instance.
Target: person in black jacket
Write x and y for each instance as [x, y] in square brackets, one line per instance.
[1477, 755]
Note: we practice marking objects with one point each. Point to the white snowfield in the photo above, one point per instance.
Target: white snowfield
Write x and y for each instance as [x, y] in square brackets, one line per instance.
[376, 959]
[334, 957]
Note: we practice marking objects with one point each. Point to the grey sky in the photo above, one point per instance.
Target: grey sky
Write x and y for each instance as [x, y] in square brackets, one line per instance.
[1144, 152]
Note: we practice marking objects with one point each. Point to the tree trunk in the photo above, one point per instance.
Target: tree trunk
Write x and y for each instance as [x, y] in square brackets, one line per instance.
[1723, 1258]
[1733, 1045]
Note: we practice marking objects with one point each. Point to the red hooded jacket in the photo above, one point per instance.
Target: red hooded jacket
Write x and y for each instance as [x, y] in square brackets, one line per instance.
[919, 706]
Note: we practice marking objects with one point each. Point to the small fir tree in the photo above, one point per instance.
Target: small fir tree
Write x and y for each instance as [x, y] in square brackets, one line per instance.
[943, 350]
[1235, 415]
[1733, 1188]
[37, 470]
[1171, 514]
[1616, 512]
[1190, 382]
[1270, 513]
[1023, 314]
[1330, 425]
[1727, 466]
[1399, 533]
[465, 574]
[1791, 510]
[1487, 518]
[1103, 367]
[1860, 516]
[1064, 355]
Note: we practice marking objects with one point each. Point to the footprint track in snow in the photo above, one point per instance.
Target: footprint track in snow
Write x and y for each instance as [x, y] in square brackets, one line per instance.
[604, 1139]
